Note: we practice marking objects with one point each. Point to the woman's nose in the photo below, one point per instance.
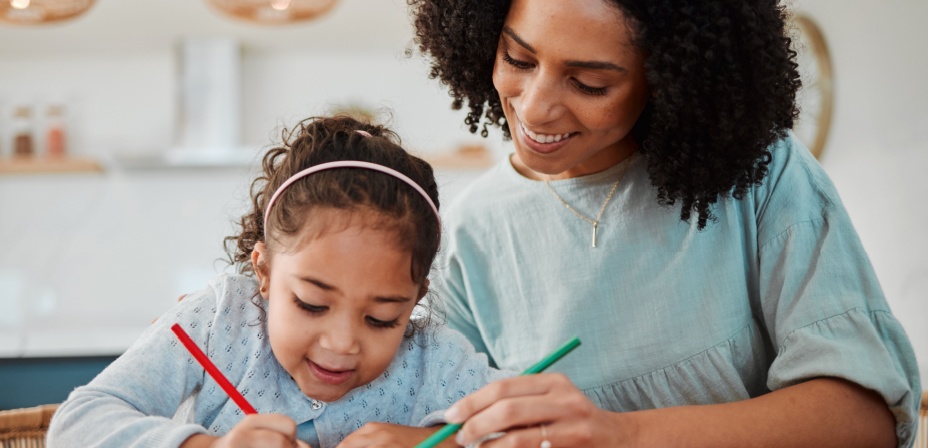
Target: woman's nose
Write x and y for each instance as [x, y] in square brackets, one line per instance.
[540, 102]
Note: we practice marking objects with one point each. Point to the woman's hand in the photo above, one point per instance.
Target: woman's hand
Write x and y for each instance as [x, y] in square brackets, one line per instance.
[820, 412]
[521, 406]
[254, 431]
[385, 435]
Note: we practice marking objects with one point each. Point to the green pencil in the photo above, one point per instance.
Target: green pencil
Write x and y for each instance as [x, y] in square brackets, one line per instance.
[452, 428]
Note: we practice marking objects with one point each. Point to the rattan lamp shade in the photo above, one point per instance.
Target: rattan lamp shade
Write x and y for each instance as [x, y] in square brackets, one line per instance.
[273, 11]
[36, 12]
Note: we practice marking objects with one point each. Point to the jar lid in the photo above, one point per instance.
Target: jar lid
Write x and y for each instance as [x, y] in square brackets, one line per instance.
[23, 112]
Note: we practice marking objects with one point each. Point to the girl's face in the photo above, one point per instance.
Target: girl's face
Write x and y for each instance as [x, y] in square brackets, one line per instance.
[338, 307]
[571, 85]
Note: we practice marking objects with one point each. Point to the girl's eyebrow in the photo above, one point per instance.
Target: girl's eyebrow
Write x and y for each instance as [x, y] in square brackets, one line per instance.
[593, 65]
[327, 287]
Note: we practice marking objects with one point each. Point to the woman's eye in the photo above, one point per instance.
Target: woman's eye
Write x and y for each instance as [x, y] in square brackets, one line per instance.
[521, 65]
[315, 309]
[598, 91]
[377, 323]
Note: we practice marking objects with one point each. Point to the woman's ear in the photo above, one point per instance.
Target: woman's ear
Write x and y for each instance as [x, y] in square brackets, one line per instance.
[259, 257]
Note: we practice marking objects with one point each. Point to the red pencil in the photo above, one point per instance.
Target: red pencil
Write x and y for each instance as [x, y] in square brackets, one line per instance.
[212, 370]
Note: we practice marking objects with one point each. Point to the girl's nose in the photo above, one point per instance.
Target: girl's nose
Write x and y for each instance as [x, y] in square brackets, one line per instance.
[341, 337]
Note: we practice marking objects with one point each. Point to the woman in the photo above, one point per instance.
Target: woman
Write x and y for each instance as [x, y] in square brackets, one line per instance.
[657, 206]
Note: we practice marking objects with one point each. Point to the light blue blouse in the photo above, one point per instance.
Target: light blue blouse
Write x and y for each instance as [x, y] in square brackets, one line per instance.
[776, 291]
[156, 395]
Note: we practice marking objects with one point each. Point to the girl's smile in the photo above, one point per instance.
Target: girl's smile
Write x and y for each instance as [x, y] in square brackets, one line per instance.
[332, 376]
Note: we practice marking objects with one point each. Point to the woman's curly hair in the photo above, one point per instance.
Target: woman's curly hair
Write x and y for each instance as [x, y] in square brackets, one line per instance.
[722, 75]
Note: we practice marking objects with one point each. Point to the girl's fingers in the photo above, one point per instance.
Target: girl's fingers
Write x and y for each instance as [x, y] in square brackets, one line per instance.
[272, 422]
[263, 430]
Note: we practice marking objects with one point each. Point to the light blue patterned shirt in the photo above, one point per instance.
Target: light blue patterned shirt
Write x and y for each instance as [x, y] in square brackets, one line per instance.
[776, 291]
[157, 395]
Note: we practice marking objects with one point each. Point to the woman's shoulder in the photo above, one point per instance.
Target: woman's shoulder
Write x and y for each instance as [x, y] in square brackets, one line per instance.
[441, 344]
[791, 160]
[796, 189]
[496, 191]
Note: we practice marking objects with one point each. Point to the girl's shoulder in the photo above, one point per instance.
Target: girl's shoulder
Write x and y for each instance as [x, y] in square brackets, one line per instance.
[220, 308]
[235, 285]
[438, 346]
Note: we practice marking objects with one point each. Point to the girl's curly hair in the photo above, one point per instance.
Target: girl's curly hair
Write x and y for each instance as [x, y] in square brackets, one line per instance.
[398, 207]
[722, 75]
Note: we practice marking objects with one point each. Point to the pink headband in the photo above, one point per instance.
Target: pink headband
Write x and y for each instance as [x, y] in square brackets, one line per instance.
[346, 164]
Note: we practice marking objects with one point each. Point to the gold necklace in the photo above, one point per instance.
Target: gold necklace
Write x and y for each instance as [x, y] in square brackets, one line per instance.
[594, 222]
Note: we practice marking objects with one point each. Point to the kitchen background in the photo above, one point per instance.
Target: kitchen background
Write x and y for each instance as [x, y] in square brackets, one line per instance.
[89, 256]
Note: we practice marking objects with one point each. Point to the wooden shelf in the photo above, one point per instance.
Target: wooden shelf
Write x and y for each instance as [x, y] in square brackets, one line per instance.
[464, 157]
[40, 165]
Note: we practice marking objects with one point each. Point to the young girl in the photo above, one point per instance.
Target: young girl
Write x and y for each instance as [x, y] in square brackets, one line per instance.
[317, 333]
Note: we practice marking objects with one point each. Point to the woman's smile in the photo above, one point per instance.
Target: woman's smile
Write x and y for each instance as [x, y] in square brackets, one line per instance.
[541, 142]
[571, 84]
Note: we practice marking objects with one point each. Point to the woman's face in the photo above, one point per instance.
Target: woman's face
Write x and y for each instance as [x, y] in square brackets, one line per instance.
[338, 307]
[571, 84]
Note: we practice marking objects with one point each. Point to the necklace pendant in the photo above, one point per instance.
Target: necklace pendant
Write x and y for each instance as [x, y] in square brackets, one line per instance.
[594, 234]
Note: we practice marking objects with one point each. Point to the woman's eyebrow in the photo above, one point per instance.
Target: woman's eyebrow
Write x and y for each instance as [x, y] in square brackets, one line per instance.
[509, 32]
[593, 65]
[596, 65]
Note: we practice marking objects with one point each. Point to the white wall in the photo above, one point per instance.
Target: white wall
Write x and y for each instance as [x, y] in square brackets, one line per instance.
[89, 259]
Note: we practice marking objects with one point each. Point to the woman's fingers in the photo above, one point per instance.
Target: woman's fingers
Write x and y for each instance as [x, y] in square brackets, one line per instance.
[520, 407]
[509, 415]
[517, 403]
[508, 388]
[530, 437]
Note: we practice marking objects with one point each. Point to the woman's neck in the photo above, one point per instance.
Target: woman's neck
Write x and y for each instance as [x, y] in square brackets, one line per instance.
[603, 161]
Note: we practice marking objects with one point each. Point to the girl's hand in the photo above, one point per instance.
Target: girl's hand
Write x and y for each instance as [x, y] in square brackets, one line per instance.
[254, 431]
[385, 435]
[519, 406]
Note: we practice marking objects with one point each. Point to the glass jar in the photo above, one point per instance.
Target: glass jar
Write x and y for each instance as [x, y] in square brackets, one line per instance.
[22, 132]
[55, 131]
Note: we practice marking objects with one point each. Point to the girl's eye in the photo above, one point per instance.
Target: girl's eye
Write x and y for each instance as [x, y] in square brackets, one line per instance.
[314, 309]
[377, 323]
[597, 91]
[521, 65]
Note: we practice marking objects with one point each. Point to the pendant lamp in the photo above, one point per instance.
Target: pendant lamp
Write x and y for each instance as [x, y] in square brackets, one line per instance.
[37, 12]
[273, 11]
